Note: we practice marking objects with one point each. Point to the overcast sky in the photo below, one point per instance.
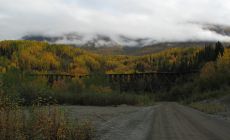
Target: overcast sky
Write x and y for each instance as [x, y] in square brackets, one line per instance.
[170, 20]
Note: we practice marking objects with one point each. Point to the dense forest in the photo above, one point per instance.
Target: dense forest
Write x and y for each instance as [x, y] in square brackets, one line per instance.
[20, 59]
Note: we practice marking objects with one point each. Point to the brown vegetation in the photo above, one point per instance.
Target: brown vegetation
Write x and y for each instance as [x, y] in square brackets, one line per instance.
[48, 123]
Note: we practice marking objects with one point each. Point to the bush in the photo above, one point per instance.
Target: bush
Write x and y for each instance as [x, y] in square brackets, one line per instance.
[51, 123]
[32, 90]
[24, 88]
[64, 86]
[103, 99]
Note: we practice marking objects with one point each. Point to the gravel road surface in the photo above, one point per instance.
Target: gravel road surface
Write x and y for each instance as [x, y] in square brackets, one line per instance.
[165, 121]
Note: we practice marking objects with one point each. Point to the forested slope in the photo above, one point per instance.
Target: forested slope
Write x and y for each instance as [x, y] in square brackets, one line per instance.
[44, 57]
[20, 58]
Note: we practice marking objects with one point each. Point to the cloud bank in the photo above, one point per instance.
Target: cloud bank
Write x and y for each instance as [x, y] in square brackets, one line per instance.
[168, 20]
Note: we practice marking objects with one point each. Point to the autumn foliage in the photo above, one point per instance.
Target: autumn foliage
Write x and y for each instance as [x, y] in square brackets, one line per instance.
[21, 58]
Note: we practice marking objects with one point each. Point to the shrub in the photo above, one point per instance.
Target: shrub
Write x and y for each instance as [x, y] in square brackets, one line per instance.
[31, 90]
[51, 123]
[63, 86]
[12, 120]
[100, 89]
[102, 99]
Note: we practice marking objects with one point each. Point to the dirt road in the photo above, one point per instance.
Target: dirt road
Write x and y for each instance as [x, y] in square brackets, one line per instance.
[165, 121]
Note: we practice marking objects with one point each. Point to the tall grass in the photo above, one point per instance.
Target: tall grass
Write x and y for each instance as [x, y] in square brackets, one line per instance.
[47, 123]
[209, 108]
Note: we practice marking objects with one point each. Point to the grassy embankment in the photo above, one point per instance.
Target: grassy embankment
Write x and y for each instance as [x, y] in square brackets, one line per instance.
[210, 108]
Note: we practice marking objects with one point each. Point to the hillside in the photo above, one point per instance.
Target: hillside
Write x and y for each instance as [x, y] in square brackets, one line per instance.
[21, 58]
[122, 45]
[149, 49]
[41, 56]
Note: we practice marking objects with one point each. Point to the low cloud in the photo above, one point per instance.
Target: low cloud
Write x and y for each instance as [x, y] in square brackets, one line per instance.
[168, 20]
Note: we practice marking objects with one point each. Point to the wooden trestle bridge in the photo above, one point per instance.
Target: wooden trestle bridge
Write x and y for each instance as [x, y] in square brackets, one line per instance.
[147, 75]
[168, 76]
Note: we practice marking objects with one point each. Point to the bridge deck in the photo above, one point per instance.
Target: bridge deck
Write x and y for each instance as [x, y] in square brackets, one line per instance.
[111, 74]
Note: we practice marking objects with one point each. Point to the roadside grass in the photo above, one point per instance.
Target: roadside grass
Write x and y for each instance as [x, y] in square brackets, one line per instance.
[198, 96]
[211, 94]
[210, 108]
[47, 123]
